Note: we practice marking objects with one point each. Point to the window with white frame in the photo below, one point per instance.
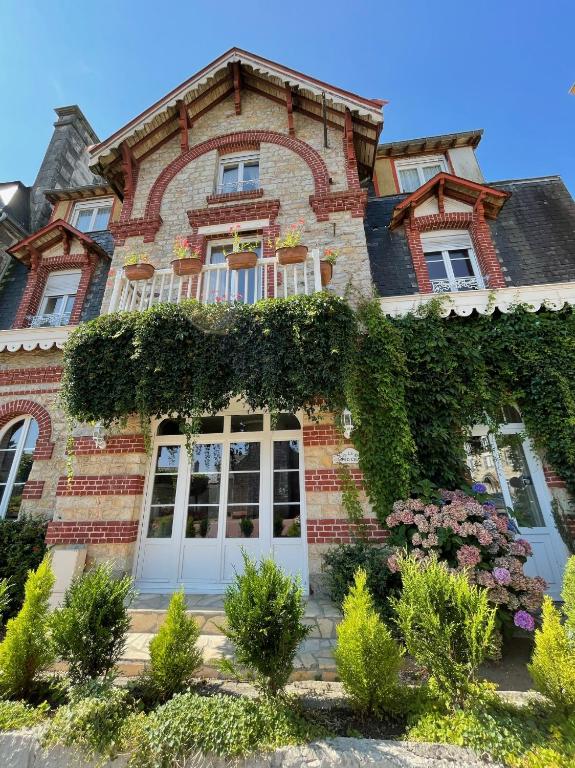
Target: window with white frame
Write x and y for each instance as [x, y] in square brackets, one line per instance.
[451, 261]
[222, 284]
[239, 173]
[92, 215]
[412, 173]
[58, 299]
[17, 446]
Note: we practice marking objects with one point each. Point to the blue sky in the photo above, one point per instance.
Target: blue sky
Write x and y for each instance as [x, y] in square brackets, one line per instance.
[502, 65]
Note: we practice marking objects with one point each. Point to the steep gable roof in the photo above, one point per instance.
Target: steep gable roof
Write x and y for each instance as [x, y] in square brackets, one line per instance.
[233, 71]
[48, 236]
[452, 186]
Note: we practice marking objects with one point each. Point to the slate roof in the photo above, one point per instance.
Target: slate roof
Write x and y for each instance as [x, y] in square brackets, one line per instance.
[534, 236]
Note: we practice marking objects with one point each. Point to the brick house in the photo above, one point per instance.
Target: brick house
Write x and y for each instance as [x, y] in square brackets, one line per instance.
[249, 143]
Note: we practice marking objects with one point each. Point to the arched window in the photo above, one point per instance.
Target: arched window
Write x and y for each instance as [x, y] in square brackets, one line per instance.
[16, 456]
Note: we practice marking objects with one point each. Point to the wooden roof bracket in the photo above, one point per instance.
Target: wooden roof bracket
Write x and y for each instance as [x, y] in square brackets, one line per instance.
[440, 197]
[184, 123]
[237, 87]
[127, 168]
[289, 108]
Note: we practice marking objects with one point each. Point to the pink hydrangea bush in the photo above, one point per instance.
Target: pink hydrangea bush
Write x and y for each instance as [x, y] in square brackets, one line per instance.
[471, 535]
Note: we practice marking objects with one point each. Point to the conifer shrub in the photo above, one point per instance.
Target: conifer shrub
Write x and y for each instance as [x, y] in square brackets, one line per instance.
[174, 656]
[89, 630]
[26, 650]
[553, 662]
[367, 656]
[446, 624]
[264, 609]
[568, 595]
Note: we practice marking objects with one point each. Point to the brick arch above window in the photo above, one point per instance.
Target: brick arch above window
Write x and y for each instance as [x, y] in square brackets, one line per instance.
[479, 233]
[15, 408]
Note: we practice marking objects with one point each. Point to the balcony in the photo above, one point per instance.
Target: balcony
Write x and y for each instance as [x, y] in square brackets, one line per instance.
[216, 283]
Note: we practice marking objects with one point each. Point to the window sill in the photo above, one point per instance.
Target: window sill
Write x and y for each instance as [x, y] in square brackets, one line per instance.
[224, 197]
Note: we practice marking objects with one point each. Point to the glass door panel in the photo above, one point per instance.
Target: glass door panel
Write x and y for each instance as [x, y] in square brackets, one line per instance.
[204, 491]
[515, 468]
[286, 489]
[161, 521]
[243, 504]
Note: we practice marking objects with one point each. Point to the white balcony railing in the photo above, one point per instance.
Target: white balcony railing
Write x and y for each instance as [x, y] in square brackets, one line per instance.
[217, 283]
[458, 284]
[249, 185]
[49, 321]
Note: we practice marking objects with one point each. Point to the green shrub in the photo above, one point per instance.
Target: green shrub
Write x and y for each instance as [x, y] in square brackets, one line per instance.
[341, 563]
[264, 609]
[15, 715]
[26, 649]
[22, 548]
[173, 654]
[367, 656]
[226, 726]
[518, 736]
[95, 724]
[553, 662]
[4, 597]
[90, 628]
[446, 623]
[568, 595]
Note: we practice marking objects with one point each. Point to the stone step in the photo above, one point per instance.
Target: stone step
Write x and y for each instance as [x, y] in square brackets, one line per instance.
[314, 660]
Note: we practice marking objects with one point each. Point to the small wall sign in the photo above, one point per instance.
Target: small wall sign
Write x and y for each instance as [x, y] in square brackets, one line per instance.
[347, 456]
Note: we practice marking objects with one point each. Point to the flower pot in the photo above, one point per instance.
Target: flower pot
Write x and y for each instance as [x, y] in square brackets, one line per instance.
[189, 266]
[295, 254]
[242, 259]
[326, 271]
[140, 271]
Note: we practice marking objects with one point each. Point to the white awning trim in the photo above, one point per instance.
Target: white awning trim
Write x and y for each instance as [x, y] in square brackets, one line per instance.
[29, 339]
[552, 296]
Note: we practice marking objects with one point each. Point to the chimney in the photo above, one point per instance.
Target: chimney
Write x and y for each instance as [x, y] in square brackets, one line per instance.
[65, 163]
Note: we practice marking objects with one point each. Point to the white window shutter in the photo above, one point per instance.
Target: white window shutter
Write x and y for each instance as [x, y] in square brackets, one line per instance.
[62, 284]
[446, 239]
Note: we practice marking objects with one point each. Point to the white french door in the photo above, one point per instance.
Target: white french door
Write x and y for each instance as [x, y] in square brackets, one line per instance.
[242, 489]
[512, 472]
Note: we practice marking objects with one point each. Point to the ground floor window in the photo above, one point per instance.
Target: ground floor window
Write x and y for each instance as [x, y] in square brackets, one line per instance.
[16, 456]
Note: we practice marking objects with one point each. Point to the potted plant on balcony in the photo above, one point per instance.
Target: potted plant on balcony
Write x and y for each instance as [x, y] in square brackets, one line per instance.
[137, 267]
[187, 261]
[289, 249]
[242, 254]
[326, 265]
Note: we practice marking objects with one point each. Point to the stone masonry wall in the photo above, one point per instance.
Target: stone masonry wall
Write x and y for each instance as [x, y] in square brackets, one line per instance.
[284, 176]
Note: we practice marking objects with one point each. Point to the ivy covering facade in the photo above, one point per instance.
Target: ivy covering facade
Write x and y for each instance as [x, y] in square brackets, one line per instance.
[416, 385]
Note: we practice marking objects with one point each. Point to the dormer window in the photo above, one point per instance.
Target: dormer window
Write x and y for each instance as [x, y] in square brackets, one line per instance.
[238, 173]
[92, 215]
[451, 262]
[412, 173]
[58, 299]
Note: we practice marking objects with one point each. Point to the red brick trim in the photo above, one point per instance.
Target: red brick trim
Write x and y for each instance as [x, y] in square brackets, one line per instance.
[101, 532]
[229, 143]
[100, 485]
[479, 233]
[140, 227]
[38, 275]
[33, 490]
[328, 479]
[341, 531]
[228, 197]
[11, 410]
[322, 434]
[553, 480]
[85, 446]
[45, 375]
[334, 202]
[228, 214]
